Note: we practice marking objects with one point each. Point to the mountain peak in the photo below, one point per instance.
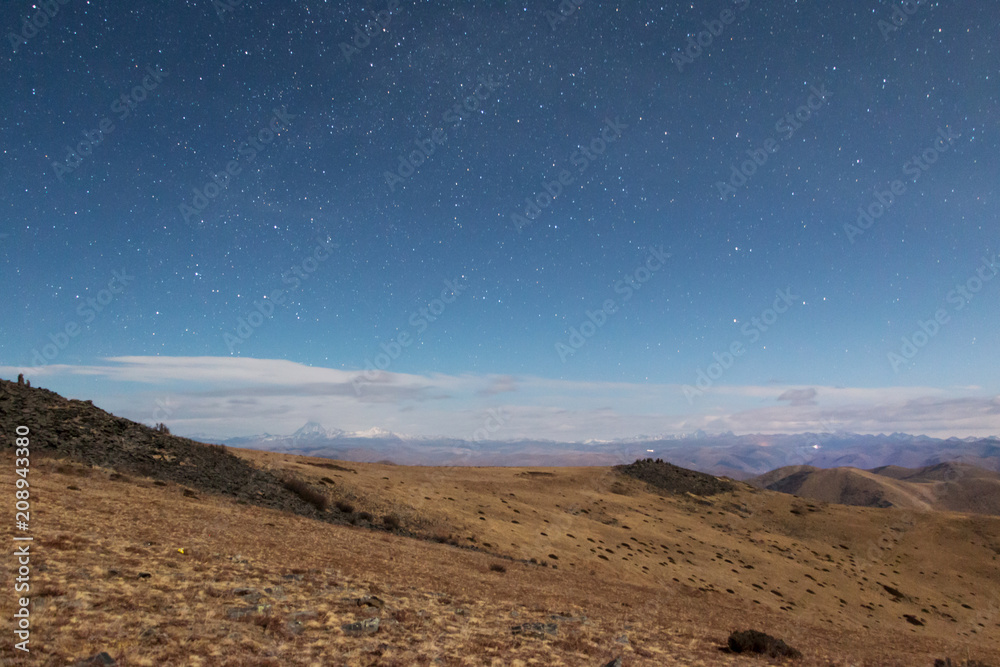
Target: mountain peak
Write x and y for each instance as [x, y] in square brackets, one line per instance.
[311, 430]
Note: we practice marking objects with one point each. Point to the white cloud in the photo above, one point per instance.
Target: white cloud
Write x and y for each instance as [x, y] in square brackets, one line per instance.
[226, 396]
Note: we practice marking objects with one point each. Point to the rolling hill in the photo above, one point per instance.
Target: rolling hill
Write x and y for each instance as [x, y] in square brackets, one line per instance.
[955, 487]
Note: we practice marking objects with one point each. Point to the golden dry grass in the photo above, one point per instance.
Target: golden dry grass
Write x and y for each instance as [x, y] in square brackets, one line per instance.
[658, 580]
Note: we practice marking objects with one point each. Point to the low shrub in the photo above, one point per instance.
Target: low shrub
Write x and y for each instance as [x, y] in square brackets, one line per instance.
[307, 493]
[754, 641]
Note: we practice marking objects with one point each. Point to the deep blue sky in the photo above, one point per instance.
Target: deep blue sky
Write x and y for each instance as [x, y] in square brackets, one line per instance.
[554, 87]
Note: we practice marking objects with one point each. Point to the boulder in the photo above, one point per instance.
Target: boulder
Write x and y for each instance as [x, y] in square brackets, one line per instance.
[368, 626]
[101, 659]
[536, 630]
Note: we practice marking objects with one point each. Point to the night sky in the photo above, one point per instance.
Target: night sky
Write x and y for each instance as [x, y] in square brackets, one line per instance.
[603, 218]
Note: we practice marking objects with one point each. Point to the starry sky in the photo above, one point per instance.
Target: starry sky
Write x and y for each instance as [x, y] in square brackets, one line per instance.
[604, 218]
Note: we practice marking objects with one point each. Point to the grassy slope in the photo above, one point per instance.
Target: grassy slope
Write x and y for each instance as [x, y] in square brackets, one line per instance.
[816, 580]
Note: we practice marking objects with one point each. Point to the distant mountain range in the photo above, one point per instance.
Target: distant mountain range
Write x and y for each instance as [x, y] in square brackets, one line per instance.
[311, 433]
[736, 456]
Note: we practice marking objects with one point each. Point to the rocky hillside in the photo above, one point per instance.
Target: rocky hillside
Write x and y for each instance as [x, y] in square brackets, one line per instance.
[77, 430]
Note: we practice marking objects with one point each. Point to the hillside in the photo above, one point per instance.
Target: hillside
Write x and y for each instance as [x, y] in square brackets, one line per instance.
[955, 487]
[511, 566]
[80, 431]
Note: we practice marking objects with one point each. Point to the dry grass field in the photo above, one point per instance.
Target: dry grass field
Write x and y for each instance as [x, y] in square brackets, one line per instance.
[560, 566]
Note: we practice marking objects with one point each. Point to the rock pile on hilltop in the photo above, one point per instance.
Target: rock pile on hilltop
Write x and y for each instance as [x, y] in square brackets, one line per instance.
[674, 479]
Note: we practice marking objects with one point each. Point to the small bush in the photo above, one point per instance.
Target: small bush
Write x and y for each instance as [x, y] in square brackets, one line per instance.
[497, 567]
[391, 521]
[307, 493]
[345, 507]
[754, 641]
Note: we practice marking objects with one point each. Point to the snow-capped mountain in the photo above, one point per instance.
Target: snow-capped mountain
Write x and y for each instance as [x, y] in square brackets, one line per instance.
[315, 431]
[373, 432]
[738, 456]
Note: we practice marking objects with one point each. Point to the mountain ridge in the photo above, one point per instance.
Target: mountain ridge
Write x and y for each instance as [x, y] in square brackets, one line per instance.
[737, 456]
